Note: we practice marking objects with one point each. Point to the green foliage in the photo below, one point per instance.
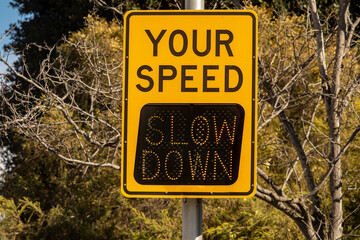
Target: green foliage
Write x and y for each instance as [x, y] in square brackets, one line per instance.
[13, 222]
[246, 219]
[90, 207]
[352, 178]
[165, 225]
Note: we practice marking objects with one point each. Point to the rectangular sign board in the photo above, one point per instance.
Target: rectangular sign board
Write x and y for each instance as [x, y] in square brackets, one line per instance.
[189, 104]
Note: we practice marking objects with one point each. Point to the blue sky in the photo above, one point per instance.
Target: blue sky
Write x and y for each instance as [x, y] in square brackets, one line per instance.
[8, 15]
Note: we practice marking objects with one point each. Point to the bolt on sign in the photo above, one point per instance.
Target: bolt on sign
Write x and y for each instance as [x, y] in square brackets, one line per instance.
[189, 104]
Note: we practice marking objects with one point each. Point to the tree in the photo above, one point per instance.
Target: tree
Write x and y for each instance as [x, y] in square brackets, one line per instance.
[44, 198]
[44, 24]
[288, 78]
[308, 107]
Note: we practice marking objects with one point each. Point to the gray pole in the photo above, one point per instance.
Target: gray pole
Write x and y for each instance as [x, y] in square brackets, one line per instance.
[192, 207]
[193, 4]
[192, 219]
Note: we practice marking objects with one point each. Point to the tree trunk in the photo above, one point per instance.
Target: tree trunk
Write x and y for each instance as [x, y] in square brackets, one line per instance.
[336, 219]
[334, 116]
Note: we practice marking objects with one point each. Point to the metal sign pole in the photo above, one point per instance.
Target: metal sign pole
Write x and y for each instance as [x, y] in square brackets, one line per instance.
[193, 4]
[192, 207]
[192, 219]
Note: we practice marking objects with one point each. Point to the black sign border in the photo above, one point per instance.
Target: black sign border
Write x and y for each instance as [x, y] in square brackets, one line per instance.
[125, 105]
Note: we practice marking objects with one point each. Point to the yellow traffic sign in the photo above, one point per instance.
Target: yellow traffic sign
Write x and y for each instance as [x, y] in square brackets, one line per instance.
[189, 104]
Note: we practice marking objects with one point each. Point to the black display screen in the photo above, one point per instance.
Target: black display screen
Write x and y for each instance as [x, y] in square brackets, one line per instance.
[189, 144]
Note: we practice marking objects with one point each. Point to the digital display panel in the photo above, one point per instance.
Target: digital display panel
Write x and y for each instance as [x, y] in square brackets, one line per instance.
[189, 144]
